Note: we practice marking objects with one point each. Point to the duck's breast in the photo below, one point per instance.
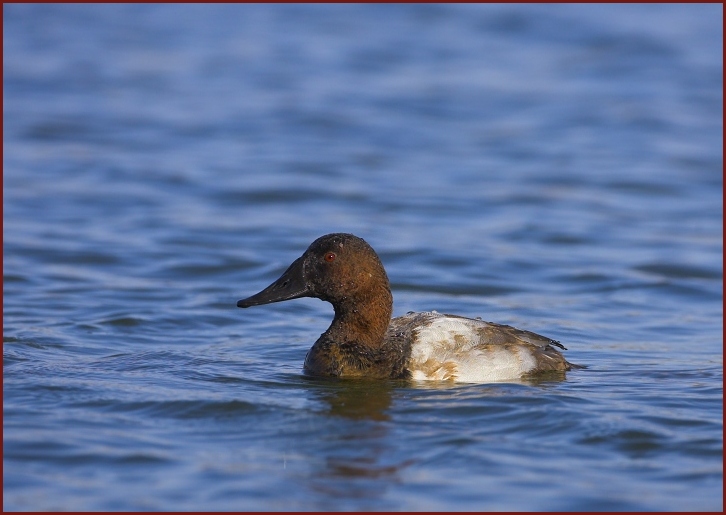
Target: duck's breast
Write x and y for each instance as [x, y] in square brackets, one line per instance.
[449, 347]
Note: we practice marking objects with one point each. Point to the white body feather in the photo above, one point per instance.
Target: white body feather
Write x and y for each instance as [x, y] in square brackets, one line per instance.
[452, 348]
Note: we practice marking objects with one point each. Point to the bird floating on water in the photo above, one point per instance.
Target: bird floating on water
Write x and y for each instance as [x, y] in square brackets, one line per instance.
[363, 341]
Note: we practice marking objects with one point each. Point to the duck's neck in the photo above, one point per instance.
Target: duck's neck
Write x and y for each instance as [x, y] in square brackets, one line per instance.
[363, 320]
[353, 345]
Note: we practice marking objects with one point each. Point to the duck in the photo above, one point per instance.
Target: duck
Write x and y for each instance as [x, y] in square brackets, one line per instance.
[364, 341]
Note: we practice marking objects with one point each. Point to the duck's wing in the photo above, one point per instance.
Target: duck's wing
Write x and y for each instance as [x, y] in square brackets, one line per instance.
[490, 332]
[493, 333]
[447, 346]
[512, 333]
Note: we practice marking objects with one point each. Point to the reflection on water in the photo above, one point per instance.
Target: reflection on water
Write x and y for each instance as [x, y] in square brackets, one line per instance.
[359, 457]
[359, 399]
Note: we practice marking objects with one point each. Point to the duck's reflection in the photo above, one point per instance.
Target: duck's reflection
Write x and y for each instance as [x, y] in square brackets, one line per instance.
[358, 400]
[360, 447]
[362, 456]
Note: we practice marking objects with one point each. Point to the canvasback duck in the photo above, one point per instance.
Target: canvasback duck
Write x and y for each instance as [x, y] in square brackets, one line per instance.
[363, 340]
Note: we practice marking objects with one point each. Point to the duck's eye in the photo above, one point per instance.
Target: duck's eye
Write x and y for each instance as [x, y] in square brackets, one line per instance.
[329, 256]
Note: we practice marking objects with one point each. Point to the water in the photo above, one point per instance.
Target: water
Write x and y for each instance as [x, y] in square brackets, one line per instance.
[556, 167]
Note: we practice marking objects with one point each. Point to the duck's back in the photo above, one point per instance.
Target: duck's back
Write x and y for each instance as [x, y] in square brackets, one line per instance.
[450, 347]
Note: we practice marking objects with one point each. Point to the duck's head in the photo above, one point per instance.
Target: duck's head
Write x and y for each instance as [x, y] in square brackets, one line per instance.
[339, 268]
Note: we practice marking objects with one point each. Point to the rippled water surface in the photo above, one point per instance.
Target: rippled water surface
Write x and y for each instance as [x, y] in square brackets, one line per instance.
[556, 167]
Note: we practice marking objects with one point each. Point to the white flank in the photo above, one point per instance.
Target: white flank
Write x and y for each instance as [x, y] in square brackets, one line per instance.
[449, 348]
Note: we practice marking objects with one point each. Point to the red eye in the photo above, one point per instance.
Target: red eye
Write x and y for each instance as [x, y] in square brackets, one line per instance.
[329, 256]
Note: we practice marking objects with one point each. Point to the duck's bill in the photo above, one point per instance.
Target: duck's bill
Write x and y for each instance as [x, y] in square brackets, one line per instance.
[290, 285]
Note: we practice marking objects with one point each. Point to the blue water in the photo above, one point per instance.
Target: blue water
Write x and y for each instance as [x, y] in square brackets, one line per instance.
[556, 167]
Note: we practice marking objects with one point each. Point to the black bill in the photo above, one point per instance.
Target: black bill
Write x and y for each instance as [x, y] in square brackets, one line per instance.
[290, 285]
